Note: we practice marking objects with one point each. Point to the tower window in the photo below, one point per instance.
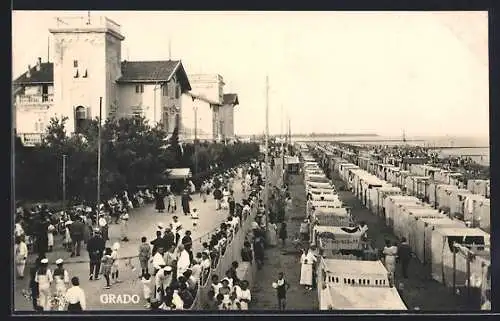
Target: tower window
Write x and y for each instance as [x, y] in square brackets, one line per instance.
[139, 89]
[164, 89]
[177, 92]
[85, 74]
[75, 63]
[77, 74]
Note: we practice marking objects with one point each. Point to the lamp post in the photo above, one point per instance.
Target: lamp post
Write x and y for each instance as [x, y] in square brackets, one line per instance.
[64, 182]
[99, 154]
[267, 148]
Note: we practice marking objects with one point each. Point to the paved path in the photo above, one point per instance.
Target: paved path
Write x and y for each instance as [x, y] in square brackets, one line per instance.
[142, 222]
[285, 259]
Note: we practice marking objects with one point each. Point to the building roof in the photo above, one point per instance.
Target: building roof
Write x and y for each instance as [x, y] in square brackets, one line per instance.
[154, 71]
[43, 76]
[230, 99]
[132, 71]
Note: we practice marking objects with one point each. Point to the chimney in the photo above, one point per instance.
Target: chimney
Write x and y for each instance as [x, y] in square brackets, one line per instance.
[28, 74]
[38, 64]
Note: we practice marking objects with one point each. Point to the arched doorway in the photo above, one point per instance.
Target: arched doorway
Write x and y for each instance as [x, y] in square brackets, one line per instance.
[80, 118]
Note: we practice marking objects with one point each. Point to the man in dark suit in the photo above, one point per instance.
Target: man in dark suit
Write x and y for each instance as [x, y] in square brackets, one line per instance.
[95, 247]
[76, 231]
[404, 254]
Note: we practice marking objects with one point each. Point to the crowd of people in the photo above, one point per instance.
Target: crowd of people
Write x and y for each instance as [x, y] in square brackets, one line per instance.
[170, 270]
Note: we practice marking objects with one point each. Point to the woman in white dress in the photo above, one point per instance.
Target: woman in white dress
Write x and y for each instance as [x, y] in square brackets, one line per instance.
[272, 234]
[307, 261]
[44, 279]
[390, 252]
[61, 279]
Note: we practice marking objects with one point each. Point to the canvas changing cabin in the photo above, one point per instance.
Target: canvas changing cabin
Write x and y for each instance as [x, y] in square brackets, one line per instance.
[442, 252]
[356, 285]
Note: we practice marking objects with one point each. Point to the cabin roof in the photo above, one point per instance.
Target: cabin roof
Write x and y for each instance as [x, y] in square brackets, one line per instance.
[461, 231]
[354, 266]
[365, 298]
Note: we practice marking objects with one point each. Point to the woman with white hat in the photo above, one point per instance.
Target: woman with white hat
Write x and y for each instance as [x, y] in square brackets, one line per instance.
[115, 266]
[44, 278]
[61, 278]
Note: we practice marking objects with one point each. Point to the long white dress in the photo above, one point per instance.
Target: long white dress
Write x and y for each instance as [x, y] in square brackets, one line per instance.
[306, 268]
[390, 259]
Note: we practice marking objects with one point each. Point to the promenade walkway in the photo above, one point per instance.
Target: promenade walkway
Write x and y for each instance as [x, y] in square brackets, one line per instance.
[143, 222]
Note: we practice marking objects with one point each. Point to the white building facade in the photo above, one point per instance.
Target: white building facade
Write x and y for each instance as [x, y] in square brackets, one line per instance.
[87, 66]
[214, 109]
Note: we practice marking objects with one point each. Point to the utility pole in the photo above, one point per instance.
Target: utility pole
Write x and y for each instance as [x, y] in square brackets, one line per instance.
[195, 107]
[64, 181]
[266, 194]
[99, 155]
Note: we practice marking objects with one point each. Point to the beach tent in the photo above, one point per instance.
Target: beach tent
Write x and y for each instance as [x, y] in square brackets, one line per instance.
[477, 211]
[356, 285]
[400, 216]
[442, 252]
[382, 193]
[325, 197]
[336, 238]
[332, 217]
[316, 185]
[443, 195]
[479, 186]
[456, 199]
[292, 164]
[421, 229]
[326, 204]
[409, 214]
[323, 191]
[390, 204]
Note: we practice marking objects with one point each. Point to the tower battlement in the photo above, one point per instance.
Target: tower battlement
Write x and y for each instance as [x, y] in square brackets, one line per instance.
[86, 24]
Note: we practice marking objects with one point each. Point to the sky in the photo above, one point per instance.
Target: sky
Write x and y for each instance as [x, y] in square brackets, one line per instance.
[425, 73]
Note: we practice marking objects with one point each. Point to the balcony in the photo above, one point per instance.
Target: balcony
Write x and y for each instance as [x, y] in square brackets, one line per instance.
[35, 100]
[31, 139]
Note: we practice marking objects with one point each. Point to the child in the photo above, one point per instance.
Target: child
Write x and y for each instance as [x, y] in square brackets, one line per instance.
[144, 255]
[107, 263]
[115, 266]
[146, 288]
[194, 218]
[172, 203]
[50, 236]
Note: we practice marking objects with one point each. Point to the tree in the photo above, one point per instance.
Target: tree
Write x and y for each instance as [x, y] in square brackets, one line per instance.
[132, 153]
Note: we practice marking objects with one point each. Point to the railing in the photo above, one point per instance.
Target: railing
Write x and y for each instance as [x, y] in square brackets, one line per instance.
[34, 99]
[31, 139]
[87, 22]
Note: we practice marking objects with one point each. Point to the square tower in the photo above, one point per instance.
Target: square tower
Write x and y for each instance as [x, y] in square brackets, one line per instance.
[87, 63]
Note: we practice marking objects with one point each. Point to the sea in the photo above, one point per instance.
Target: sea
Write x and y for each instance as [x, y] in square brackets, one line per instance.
[478, 148]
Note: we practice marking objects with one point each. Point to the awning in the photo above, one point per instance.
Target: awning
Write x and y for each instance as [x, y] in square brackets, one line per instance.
[178, 173]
